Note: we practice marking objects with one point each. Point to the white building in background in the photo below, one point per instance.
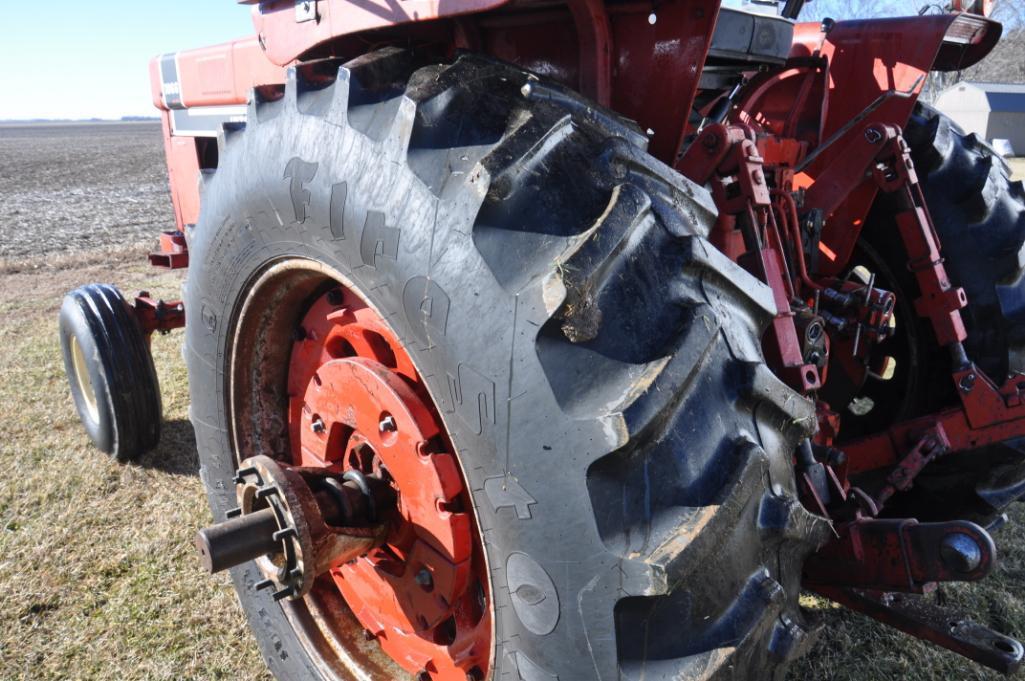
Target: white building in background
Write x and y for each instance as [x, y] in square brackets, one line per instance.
[990, 110]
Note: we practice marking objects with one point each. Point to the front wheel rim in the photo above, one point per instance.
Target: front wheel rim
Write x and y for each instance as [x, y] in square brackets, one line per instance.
[84, 380]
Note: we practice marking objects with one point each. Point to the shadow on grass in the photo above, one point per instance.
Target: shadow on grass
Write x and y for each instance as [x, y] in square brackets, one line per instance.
[176, 452]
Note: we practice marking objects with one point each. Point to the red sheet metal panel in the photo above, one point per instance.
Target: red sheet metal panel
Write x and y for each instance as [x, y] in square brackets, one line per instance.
[866, 60]
[286, 37]
[220, 75]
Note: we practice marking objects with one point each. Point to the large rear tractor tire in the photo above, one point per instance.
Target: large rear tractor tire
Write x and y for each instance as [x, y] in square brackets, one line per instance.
[545, 289]
[979, 215]
[110, 371]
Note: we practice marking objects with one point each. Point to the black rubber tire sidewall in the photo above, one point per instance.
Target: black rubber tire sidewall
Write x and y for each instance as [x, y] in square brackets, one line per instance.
[227, 253]
[120, 367]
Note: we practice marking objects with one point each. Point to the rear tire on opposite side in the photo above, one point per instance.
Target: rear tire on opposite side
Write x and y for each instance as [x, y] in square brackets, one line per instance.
[979, 215]
[595, 360]
[110, 371]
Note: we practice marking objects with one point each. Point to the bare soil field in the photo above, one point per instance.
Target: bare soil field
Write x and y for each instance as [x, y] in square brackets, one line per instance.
[70, 187]
[97, 572]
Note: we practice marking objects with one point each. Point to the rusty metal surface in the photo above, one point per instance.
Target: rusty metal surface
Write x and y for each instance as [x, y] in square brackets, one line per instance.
[157, 315]
[307, 546]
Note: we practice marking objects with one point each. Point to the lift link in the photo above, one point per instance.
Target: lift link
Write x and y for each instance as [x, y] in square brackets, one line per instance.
[296, 523]
[727, 158]
[941, 301]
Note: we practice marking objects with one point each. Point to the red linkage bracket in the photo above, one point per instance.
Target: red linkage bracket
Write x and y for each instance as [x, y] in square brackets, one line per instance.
[157, 315]
[941, 301]
[932, 445]
[173, 253]
[901, 554]
[988, 415]
[727, 156]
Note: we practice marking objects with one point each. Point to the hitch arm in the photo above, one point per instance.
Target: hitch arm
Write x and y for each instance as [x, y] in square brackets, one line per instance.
[946, 628]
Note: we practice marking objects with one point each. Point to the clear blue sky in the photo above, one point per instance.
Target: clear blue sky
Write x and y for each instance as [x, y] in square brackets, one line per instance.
[89, 58]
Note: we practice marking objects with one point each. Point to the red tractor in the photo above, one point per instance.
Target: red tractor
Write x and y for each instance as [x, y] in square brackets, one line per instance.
[572, 340]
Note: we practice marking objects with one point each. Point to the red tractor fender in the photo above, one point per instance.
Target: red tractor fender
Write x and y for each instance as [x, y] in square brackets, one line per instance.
[872, 56]
[197, 91]
[876, 71]
[289, 29]
[617, 55]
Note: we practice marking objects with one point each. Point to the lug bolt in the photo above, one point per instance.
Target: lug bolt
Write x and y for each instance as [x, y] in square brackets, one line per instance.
[318, 426]
[287, 592]
[387, 424]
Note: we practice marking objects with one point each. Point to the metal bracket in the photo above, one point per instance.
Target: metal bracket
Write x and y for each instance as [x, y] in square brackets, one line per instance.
[306, 10]
[173, 253]
[901, 554]
[931, 446]
[157, 315]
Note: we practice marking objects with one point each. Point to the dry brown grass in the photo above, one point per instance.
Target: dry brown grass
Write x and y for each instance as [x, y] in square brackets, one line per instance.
[97, 572]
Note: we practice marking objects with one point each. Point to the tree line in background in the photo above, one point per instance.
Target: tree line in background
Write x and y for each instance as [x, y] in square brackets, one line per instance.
[1005, 64]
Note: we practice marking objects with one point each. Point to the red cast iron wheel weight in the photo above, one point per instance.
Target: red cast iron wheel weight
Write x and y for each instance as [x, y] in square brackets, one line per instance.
[358, 403]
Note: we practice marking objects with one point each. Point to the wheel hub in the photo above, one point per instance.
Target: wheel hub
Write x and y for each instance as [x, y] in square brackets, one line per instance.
[380, 426]
[363, 407]
[296, 523]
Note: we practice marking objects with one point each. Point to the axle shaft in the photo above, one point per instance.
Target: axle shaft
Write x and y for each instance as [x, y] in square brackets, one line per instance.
[237, 540]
